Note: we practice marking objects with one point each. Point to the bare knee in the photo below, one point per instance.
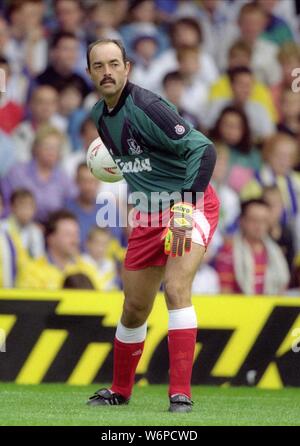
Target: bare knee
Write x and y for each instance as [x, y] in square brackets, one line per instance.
[135, 313]
[177, 293]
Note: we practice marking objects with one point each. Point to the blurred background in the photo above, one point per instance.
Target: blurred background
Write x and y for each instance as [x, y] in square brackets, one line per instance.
[230, 67]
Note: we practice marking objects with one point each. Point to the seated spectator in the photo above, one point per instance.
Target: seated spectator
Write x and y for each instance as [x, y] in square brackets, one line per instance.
[281, 234]
[43, 110]
[78, 281]
[105, 18]
[206, 280]
[42, 175]
[70, 19]
[11, 112]
[173, 91]
[251, 23]
[276, 30]
[289, 59]
[251, 262]
[145, 48]
[20, 221]
[85, 206]
[280, 154]
[229, 199]
[242, 81]
[13, 257]
[88, 133]
[71, 110]
[62, 257]
[195, 94]
[239, 55]
[97, 253]
[29, 47]
[61, 70]
[7, 153]
[232, 129]
[290, 113]
[184, 32]
[141, 18]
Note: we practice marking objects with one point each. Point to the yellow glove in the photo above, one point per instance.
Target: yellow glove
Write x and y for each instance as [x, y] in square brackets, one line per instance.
[178, 234]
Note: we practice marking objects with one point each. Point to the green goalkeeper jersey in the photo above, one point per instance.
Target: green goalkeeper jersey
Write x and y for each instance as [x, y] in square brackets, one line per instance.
[157, 151]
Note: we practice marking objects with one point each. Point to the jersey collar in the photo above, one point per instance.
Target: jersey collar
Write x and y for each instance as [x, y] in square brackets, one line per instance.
[126, 91]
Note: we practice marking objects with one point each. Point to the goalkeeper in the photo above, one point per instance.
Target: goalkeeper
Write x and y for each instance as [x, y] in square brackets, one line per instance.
[157, 151]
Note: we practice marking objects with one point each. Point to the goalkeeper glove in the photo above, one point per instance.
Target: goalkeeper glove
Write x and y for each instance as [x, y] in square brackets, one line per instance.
[178, 234]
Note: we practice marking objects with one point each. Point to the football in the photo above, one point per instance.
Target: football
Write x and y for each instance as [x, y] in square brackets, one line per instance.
[101, 164]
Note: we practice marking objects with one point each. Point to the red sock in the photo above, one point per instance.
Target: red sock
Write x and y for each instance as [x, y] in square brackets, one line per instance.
[126, 358]
[181, 355]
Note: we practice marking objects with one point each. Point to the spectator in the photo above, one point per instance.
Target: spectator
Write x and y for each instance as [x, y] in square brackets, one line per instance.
[43, 108]
[88, 133]
[195, 94]
[85, 206]
[104, 19]
[290, 114]
[7, 153]
[42, 175]
[239, 55]
[206, 280]
[29, 46]
[289, 59]
[232, 128]
[242, 81]
[61, 70]
[11, 112]
[145, 49]
[280, 154]
[251, 262]
[78, 281]
[12, 258]
[276, 30]
[173, 91]
[62, 257]
[229, 199]
[251, 23]
[71, 110]
[281, 234]
[20, 221]
[184, 32]
[97, 247]
[141, 20]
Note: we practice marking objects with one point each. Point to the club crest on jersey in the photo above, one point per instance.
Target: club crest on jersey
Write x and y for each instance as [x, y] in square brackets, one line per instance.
[179, 129]
[133, 147]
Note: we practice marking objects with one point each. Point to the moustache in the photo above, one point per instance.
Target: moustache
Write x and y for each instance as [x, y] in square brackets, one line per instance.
[108, 79]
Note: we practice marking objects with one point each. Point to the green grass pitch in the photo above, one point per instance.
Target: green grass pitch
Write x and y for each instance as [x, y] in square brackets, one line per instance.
[59, 404]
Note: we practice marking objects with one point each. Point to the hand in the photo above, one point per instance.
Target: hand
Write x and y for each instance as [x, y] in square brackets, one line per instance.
[178, 234]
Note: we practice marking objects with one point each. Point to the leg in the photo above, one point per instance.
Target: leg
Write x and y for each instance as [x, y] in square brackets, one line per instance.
[140, 288]
[180, 272]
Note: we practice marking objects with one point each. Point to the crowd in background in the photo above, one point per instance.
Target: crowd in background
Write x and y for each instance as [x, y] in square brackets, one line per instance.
[230, 67]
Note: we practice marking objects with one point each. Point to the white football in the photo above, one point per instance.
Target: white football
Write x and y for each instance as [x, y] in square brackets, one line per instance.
[101, 164]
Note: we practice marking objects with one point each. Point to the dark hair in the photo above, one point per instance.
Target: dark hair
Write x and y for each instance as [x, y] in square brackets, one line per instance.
[100, 41]
[253, 201]
[78, 281]
[85, 124]
[3, 60]
[19, 194]
[233, 73]
[172, 76]
[245, 144]
[55, 218]
[61, 35]
[190, 21]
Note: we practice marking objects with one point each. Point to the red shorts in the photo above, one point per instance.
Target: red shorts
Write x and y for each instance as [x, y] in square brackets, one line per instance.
[145, 244]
